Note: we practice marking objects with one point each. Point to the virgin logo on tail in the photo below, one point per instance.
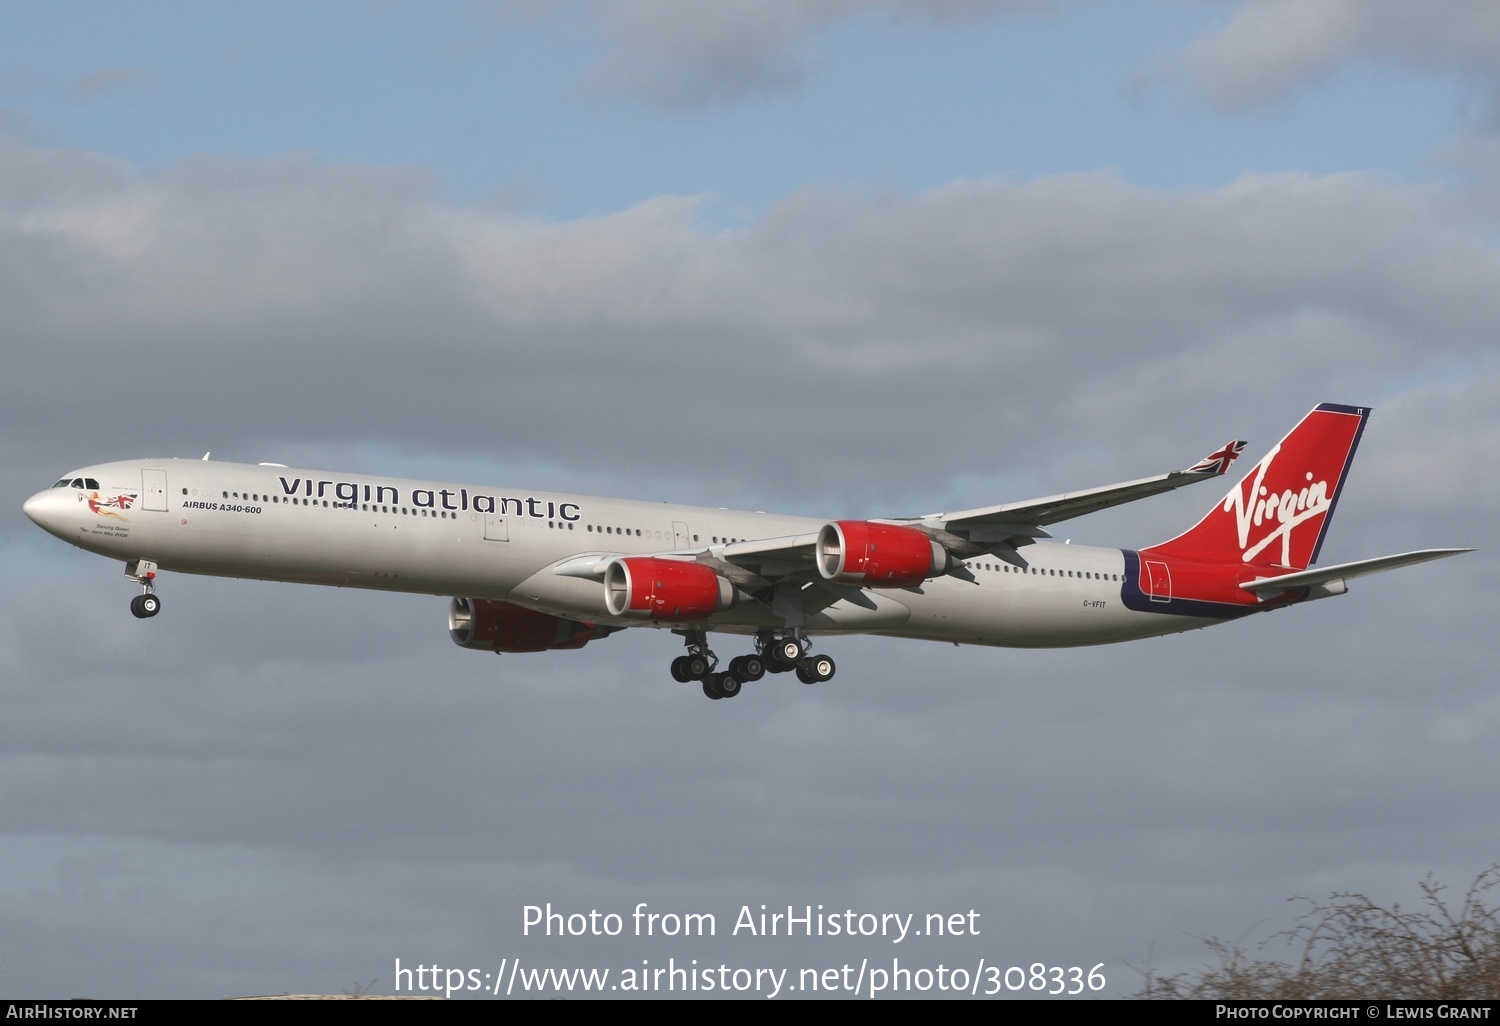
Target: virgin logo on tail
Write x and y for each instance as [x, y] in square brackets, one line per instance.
[1287, 509]
[1288, 497]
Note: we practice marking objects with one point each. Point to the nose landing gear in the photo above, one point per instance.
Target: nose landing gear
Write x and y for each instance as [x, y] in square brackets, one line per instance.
[147, 605]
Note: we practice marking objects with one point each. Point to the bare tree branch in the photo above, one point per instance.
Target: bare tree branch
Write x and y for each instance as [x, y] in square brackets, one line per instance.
[1350, 946]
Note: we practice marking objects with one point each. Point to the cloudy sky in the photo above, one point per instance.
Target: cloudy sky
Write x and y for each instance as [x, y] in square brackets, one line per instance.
[832, 257]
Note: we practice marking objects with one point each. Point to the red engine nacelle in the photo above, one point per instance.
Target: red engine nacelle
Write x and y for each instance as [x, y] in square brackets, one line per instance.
[878, 555]
[664, 589]
[495, 626]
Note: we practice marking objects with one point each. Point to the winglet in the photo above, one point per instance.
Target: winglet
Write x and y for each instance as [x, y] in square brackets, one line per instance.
[1218, 462]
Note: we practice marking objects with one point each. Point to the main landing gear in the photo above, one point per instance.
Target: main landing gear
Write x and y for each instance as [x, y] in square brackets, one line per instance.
[790, 653]
[699, 664]
[772, 654]
[147, 605]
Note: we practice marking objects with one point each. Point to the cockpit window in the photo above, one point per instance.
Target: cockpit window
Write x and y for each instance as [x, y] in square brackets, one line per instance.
[89, 482]
[78, 482]
[64, 483]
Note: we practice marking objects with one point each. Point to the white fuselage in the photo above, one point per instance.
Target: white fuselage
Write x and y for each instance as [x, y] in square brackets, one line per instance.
[350, 530]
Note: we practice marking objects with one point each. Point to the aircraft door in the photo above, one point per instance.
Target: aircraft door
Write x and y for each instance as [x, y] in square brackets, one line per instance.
[1157, 580]
[495, 528]
[154, 490]
[680, 537]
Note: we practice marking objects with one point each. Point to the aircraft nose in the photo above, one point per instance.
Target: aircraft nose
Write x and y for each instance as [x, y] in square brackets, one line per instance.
[42, 508]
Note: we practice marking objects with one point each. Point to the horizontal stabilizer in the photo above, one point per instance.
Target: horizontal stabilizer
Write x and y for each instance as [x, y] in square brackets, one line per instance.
[1344, 571]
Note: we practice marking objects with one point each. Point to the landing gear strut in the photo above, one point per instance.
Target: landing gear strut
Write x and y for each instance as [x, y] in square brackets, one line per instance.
[146, 605]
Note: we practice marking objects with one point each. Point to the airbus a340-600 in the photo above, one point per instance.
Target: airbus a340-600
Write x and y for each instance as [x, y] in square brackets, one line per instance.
[539, 570]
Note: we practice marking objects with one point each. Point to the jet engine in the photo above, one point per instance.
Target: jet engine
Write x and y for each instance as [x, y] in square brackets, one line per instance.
[494, 626]
[664, 589]
[878, 555]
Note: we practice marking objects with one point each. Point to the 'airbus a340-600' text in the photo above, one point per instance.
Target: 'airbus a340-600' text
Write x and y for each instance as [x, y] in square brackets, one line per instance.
[535, 571]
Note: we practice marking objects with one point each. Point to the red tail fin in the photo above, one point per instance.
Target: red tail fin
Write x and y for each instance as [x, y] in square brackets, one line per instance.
[1277, 515]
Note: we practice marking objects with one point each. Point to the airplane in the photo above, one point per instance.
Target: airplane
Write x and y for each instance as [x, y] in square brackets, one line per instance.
[538, 571]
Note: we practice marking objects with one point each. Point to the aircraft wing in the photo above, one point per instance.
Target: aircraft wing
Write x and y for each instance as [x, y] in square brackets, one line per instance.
[990, 529]
[1266, 587]
[751, 564]
[1026, 518]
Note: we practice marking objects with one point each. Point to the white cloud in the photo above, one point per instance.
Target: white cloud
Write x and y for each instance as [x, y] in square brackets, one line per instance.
[682, 55]
[1272, 48]
[287, 302]
[106, 81]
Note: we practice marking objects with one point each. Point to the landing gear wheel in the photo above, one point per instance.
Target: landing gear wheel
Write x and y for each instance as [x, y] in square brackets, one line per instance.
[145, 606]
[728, 684]
[787, 652]
[815, 669]
[711, 689]
[696, 667]
[679, 670]
[747, 668]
